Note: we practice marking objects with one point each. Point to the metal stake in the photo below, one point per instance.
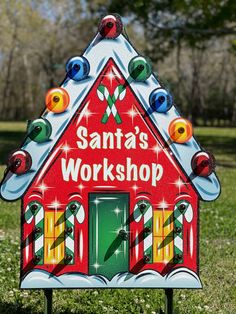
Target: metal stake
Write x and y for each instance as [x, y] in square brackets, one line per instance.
[48, 301]
[169, 301]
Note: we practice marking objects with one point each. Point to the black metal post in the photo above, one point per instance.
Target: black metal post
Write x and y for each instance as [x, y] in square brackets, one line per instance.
[48, 301]
[169, 301]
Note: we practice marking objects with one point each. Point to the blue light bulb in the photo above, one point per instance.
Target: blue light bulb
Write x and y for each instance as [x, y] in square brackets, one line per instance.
[160, 100]
[78, 68]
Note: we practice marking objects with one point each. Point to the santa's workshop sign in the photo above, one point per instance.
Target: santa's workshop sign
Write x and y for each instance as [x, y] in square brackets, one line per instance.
[110, 178]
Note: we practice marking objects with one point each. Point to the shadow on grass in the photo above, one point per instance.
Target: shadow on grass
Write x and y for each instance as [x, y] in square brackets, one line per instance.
[220, 146]
[9, 141]
[6, 308]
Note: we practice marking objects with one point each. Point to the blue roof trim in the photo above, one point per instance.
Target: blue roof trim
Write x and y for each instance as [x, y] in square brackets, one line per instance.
[97, 53]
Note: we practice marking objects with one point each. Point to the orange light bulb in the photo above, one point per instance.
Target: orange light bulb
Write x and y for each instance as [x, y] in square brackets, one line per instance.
[180, 130]
[57, 100]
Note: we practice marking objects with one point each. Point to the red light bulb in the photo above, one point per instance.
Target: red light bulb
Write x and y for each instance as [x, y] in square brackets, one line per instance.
[20, 162]
[111, 26]
[203, 164]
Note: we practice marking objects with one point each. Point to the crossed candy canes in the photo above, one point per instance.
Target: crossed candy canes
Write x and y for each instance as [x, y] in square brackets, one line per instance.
[103, 93]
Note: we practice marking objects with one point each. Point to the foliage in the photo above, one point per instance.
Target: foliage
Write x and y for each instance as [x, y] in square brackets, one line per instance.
[191, 43]
[189, 19]
[197, 29]
[217, 251]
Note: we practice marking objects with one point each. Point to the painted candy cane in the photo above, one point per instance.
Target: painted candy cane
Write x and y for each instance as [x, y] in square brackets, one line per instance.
[182, 209]
[144, 209]
[103, 93]
[73, 210]
[35, 210]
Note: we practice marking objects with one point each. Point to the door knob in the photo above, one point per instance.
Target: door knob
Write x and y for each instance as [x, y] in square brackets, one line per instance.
[123, 234]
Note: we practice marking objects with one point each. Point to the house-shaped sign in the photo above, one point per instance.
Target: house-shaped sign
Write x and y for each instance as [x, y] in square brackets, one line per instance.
[110, 178]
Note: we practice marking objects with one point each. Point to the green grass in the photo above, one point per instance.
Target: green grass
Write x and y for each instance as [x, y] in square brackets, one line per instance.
[217, 249]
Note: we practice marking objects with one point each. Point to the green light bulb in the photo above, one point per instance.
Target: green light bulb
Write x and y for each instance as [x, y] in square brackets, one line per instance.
[39, 130]
[139, 69]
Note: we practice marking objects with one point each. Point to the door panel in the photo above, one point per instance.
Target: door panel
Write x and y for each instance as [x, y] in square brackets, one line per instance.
[108, 246]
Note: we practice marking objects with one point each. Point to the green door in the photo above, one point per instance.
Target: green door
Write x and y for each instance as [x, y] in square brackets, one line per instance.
[108, 234]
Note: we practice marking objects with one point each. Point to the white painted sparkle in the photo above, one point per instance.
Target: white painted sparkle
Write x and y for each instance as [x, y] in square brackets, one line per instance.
[117, 252]
[163, 204]
[43, 187]
[55, 204]
[179, 184]
[87, 114]
[135, 187]
[132, 113]
[157, 149]
[96, 266]
[117, 211]
[117, 74]
[112, 75]
[96, 201]
[66, 148]
[81, 187]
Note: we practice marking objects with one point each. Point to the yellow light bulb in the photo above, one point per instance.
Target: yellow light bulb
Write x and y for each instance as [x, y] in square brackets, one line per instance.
[180, 130]
[57, 100]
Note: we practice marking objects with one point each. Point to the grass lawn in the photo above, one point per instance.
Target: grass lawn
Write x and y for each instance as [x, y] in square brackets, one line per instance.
[217, 249]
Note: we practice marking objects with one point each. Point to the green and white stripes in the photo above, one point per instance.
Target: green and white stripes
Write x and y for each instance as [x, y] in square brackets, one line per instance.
[144, 209]
[148, 234]
[35, 210]
[73, 209]
[179, 211]
[103, 93]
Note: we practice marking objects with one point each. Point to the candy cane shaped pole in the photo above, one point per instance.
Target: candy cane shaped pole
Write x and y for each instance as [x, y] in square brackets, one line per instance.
[74, 209]
[182, 209]
[148, 238]
[144, 209]
[35, 210]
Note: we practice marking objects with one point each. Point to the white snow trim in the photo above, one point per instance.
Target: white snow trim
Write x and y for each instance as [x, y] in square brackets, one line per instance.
[97, 54]
[178, 278]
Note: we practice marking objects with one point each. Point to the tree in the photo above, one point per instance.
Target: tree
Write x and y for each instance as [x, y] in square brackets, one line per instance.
[185, 27]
